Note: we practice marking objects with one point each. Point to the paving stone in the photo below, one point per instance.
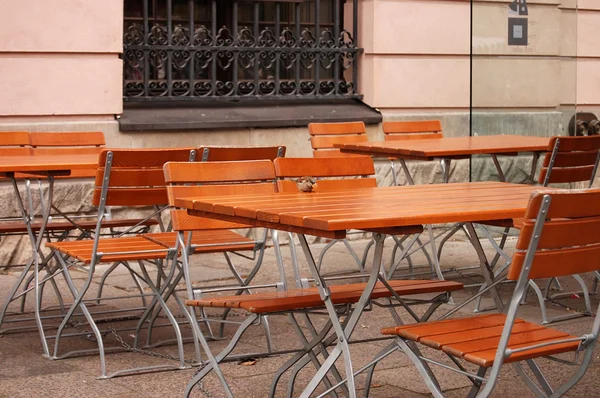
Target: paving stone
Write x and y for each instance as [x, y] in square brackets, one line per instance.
[26, 373]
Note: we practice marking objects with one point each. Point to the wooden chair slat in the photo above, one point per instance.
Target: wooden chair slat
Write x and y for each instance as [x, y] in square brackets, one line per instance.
[182, 191]
[330, 185]
[336, 128]
[15, 151]
[416, 136]
[567, 174]
[142, 158]
[334, 153]
[574, 203]
[67, 139]
[571, 159]
[87, 150]
[14, 138]
[416, 332]
[182, 221]
[412, 126]
[132, 196]
[220, 172]
[208, 237]
[321, 142]
[224, 154]
[484, 344]
[562, 233]
[486, 358]
[299, 167]
[132, 177]
[570, 144]
[439, 341]
[559, 262]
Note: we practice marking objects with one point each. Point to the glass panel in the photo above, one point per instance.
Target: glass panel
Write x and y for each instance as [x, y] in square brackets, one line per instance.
[523, 76]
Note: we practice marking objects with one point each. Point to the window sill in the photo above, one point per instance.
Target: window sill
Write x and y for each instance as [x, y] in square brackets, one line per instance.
[153, 117]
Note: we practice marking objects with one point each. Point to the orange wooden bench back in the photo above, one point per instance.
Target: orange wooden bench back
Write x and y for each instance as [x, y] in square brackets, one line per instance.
[67, 143]
[136, 176]
[230, 153]
[191, 179]
[323, 136]
[570, 239]
[412, 130]
[574, 160]
[14, 143]
[286, 168]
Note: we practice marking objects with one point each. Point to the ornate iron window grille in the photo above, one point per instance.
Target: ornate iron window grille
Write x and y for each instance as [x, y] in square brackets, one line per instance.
[267, 57]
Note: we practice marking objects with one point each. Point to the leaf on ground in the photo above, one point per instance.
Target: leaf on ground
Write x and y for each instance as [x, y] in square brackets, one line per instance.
[249, 362]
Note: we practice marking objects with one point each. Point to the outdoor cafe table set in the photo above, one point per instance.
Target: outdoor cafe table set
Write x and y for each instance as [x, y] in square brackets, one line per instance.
[383, 211]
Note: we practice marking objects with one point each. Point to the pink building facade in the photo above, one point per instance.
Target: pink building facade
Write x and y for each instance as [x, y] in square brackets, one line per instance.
[62, 69]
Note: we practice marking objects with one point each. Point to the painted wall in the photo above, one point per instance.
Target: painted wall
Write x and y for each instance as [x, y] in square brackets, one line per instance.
[417, 55]
[60, 57]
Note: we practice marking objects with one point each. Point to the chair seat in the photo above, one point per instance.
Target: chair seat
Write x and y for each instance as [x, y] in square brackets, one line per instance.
[297, 299]
[20, 228]
[206, 241]
[113, 249]
[476, 339]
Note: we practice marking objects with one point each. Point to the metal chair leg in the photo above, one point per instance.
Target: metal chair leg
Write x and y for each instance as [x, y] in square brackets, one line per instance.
[213, 364]
[78, 297]
[422, 367]
[298, 356]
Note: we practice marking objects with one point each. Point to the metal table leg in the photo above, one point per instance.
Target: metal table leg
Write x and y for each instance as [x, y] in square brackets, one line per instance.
[36, 242]
[342, 333]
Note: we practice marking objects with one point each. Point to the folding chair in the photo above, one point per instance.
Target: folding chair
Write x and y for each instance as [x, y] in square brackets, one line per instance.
[560, 236]
[125, 177]
[202, 241]
[197, 235]
[331, 175]
[61, 225]
[413, 130]
[323, 137]
[301, 301]
[568, 160]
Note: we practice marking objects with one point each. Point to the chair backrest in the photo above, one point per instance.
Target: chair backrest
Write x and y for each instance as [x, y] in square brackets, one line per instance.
[61, 143]
[570, 159]
[323, 137]
[14, 143]
[135, 177]
[232, 153]
[286, 168]
[67, 143]
[560, 235]
[412, 130]
[195, 179]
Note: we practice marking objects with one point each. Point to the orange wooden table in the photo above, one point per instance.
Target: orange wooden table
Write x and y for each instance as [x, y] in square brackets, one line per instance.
[49, 166]
[453, 148]
[380, 210]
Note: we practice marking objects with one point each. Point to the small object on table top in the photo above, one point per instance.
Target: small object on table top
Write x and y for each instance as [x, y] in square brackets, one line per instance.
[306, 184]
